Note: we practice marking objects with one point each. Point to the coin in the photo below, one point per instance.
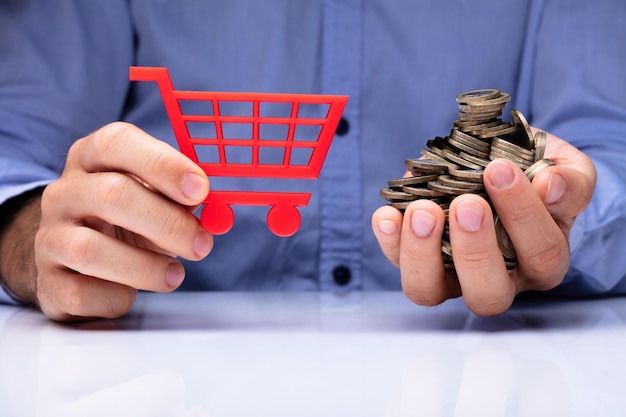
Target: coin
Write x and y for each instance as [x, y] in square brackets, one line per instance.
[504, 241]
[475, 175]
[453, 165]
[455, 182]
[525, 136]
[411, 180]
[477, 95]
[426, 166]
[535, 168]
[541, 139]
[390, 194]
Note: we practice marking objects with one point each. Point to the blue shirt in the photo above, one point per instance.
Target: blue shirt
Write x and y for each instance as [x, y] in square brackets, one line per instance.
[64, 73]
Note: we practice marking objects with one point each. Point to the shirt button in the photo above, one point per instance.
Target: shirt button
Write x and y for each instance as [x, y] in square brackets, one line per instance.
[342, 275]
[343, 127]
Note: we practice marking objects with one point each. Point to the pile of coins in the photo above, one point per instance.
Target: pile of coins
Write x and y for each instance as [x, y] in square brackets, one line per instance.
[453, 165]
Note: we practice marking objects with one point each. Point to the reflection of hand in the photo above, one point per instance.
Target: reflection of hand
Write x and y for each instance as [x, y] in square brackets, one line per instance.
[538, 219]
[114, 222]
[489, 382]
[86, 371]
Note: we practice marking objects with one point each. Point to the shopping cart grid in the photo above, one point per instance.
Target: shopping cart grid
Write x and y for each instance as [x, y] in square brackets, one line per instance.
[302, 155]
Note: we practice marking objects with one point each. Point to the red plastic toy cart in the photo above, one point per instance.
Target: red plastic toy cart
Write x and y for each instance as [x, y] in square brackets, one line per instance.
[217, 216]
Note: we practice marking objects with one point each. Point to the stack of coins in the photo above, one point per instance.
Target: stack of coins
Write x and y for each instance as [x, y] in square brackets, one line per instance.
[453, 165]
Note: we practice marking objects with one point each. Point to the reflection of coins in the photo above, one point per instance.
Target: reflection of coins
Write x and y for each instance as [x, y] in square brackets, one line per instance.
[454, 164]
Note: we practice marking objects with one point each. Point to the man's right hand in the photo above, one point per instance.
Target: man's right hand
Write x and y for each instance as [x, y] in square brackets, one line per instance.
[114, 222]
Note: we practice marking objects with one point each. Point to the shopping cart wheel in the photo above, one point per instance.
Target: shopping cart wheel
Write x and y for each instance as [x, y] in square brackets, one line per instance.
[283, 220]
[217, 218]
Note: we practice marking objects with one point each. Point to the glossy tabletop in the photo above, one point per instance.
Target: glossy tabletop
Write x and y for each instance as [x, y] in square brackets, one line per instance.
[317, 354]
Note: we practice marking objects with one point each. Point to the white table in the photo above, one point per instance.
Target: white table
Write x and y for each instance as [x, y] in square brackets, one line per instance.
[318, 355]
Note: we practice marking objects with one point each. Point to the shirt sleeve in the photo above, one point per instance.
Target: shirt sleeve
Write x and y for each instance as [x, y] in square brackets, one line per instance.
[578, 92]
[63, 72]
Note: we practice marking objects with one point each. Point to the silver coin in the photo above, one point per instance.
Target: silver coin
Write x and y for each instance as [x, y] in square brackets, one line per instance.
[475, 175]
[426, 166]
[535, 168]
[455, 158]
[482, 162]
[501, 130]
[390, 194]
[504, 241]
[526, 136]
[411, 180]
[468, 149]
[431, 155]
[446, 189]
[541, 139]
[477, 95]
[450, 181]
[513, 148]
[422, 191]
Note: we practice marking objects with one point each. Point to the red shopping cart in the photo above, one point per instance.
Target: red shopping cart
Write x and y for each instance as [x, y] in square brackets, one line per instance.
[217, 216]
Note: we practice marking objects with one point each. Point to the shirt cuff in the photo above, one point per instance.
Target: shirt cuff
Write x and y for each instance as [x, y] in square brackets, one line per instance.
[5, 298]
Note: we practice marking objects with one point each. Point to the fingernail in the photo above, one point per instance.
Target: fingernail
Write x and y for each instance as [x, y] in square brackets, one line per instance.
[174, 274]
[387, 227]
[501, 175]
[422, 223]
[203, 243]
[470, 215]
[556, 188]
[194, 186]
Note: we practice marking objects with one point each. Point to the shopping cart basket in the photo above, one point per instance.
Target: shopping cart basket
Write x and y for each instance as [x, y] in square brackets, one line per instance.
[283, 218]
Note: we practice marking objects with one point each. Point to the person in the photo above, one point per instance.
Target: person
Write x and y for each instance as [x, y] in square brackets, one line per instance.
[98, 202]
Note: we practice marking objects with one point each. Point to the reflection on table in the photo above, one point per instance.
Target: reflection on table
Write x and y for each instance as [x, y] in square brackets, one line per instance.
[316, 354]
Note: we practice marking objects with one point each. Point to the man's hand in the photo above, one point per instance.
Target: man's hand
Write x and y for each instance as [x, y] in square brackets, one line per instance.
[537, 217]
[114, 223]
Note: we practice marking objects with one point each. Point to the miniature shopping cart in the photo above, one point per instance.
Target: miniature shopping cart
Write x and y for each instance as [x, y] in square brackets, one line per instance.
[283, 218]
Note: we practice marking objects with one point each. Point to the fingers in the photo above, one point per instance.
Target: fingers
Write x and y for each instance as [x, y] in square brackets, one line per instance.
[65, 296]
[119, 200]
[487, 287]
[413, 243]
[566, 188]
[114, 221]
[564, 191]
[90, 253]
[125, 148]
[386, 224]
[542, 248]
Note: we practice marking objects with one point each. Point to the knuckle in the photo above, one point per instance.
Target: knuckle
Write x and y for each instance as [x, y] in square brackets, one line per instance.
[81, 250]
[472, 258]
[174, 225]
[53, 196]
[75, 300]
[157, 160]
[547, 258]
[118, 305]
[114, 189]
[109, 140]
